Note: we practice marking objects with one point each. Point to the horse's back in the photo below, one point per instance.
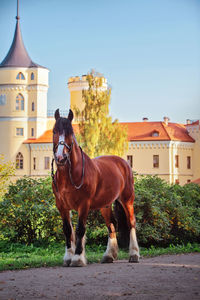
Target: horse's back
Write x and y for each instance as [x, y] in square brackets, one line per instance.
[115, 175]
[115, 163]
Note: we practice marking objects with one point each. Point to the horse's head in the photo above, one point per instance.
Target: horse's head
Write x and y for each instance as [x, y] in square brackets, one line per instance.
[62, 137]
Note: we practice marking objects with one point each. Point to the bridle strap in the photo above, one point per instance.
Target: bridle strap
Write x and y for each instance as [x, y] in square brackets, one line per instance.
[52, 175]
[67, 158]
[77, 187]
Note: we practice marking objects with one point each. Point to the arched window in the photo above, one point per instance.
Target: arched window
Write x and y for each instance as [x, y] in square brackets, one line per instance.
[19, 161]
[155, 133]
[21, 76]
[33, 106]
[19, 102]
[32, 76]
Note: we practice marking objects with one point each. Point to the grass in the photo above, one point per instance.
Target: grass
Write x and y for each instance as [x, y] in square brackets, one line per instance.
[18, 256]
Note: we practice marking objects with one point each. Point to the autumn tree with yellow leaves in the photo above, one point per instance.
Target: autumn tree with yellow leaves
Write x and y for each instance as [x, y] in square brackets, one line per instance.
[99, 134]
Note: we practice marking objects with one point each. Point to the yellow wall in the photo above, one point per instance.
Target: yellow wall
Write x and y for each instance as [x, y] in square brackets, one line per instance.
[142, 153]
[8, 76]
[40, 151]
[10, 118]
[194, 131]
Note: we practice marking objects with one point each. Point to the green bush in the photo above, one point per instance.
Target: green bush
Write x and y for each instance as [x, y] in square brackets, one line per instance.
[165, 214]
[28, 212]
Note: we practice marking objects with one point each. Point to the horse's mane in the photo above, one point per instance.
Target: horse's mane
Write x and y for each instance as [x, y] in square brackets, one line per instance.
[64, 124]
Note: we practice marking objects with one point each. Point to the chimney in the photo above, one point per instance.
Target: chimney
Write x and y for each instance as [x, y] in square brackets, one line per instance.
[145, 119]
[188, 121]
[166, 120]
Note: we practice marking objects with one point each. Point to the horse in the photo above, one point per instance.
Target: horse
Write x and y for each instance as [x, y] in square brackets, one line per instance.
[83, 184]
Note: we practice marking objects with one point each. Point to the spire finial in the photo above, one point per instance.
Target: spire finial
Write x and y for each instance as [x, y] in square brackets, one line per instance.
[17, 17]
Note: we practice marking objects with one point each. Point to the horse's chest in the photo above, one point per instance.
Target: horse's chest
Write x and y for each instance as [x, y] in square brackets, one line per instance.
[69, 200]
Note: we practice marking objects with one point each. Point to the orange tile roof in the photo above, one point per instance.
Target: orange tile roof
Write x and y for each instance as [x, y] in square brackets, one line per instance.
[195, 123]
[197, 181]
[144, 131]
[46, 137]
[137, 131]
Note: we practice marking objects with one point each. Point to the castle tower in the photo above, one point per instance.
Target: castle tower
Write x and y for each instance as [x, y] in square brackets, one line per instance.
[76, 86]
[23, 99]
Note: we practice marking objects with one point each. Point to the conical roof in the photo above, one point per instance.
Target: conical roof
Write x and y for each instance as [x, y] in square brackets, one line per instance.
[17, 55]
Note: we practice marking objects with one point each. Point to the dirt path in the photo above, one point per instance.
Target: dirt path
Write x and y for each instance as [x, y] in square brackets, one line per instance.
[164, 277]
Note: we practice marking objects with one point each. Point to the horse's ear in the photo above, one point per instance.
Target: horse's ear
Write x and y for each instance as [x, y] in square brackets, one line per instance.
[70, 115]
[57, 114]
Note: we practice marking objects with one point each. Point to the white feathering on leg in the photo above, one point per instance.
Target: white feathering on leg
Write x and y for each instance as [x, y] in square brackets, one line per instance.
[79, 260]
[133, 246]
[112, 248]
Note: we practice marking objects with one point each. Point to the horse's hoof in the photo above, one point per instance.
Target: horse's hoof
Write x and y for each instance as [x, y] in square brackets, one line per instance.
[77, 263]
[134, 258]
[107, 260]
[67, 263]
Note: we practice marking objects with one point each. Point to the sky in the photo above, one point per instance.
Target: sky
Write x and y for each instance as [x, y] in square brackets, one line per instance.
[149, 51]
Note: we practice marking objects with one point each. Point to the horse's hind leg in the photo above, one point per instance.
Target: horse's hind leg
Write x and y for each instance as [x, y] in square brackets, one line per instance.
[69, 236]
[133, 244]
[112, 247]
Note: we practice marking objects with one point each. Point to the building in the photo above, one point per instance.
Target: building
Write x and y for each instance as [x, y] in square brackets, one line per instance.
[23, 102]
[169, 150]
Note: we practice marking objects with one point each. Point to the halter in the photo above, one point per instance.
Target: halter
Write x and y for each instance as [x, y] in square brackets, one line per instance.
[66, 156]
[67, 159]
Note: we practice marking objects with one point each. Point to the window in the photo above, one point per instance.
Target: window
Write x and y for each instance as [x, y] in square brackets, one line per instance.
[32, 76]
[130, 160]
[188, 181]
[2, 99]
[188, 162]
[33, 106]
[20, 75]
[177, 181]
[47, 163]
[156, 161]
[34, 163]
[19, 102]
[19, 161]
[155, 133]
[20, 131]
[176, 161]
[32, 131]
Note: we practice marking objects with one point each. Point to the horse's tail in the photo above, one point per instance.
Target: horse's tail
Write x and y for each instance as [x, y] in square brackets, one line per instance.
[122, 228]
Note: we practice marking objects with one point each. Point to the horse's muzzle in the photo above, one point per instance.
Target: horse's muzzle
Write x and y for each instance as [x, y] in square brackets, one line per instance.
[61, 160]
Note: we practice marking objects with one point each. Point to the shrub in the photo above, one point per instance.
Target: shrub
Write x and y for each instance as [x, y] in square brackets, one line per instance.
[28, 212]
[6, 170]
[165, 214]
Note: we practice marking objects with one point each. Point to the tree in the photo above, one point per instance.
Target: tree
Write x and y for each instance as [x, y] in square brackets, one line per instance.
[6, 170]
[99, 135]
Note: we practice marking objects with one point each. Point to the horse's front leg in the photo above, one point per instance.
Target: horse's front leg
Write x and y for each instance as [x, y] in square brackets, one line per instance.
[69, 236]
[79, 259]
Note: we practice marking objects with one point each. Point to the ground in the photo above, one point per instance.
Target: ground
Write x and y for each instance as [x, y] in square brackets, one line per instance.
[163, 277]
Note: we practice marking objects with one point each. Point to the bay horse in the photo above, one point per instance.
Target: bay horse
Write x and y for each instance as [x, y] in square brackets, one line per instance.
[84, 184]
